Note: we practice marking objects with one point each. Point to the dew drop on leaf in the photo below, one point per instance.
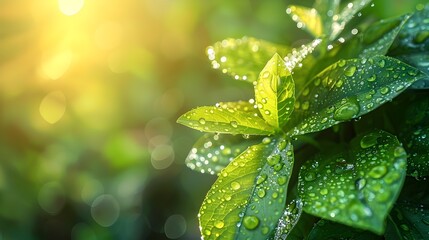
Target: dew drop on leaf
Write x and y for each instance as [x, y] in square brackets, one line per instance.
[282, 180]
[261, 193]
[369, 140]
[234, 124]
[347, 110]
[378, 172]
[266, 140]
[310, 176]
[282, 145]
[219, 224]
[372, 78]
[278, 167]
[202, 121]
[360, 183]
[261, 178]
[250, 222]
[273, 160]
[235, 185]
[350, 71]
[384, 90]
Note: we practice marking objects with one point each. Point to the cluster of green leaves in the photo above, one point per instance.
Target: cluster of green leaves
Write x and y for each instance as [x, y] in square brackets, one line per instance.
[348, 178]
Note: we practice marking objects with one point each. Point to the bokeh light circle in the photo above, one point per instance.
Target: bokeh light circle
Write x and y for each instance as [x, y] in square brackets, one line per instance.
[175, 226]
[105, 210]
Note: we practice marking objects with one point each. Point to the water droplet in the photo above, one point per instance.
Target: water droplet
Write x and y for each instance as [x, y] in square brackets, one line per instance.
[381, 63]
[369, 140]
[282, 180]
[273, 160]
[384, 90]
[350, 71]
[342, 63]
[235, 185]
[261, 178]
[282, 145]
[324, 191]
[250, 222]
[202, 121]
[372, 78]
[360, 183]
[219, 224]
[310, 176]
[378, 172]
[234, 124]
[339, 83]
[305, 105]
[278, 167]
[265, 74]
[207, 232]
[346, 111]
[266, 140]
[383, 196]
[399, 152]
[261, 192]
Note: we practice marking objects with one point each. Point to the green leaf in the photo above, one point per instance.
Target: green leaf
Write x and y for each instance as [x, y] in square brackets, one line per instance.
[275, 92]
[226, 119]
[306, 18]
[378, 38]
[327, 230]
[357, 187]
[409, 221]
[288, 220]
[243, 58]
[346, 15]
[413, 130]
[348, 89]
[249, 196]
[213, 152]
[412, 45]
[413, 37]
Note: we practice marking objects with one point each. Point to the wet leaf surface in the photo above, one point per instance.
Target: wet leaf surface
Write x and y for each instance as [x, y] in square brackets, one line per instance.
[248, 198]
[243, 58]
[213, 152]
[348, 89]
[357, 187]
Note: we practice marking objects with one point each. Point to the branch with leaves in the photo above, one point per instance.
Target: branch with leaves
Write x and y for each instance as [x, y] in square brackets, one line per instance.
[352, 188]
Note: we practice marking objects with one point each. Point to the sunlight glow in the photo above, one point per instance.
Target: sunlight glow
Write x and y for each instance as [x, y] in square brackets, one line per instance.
[70, 7]
[53, 107]
[55, 67]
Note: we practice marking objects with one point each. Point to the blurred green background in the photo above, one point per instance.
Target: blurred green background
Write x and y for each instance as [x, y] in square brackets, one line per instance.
[89, 95]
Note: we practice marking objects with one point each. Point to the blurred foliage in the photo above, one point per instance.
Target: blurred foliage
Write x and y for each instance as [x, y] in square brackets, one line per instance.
[89, 94]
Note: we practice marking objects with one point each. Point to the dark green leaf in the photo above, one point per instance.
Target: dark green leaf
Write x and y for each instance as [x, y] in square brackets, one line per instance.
[243, 58]
[288, 220]
[249, 196]
[348, 89]
[213, 152]
[327, 230]
[412, 126]
[412, 45]
[228, 118]
[357, 187]
[409, 221]
[275, 92]
[414, 36]
[378, 38]
[307, 18]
